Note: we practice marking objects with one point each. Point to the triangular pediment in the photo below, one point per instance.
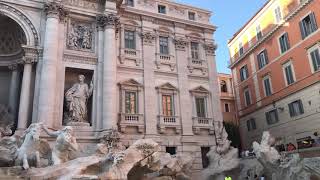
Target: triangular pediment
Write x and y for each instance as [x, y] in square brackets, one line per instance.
[200, 89]
[130, 82]
[167, 86]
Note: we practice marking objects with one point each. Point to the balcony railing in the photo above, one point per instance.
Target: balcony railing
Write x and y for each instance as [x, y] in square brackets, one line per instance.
[203, 123]
[131, 120]
[197, 62]
[165, 59]
[169, 122]
[130, 54]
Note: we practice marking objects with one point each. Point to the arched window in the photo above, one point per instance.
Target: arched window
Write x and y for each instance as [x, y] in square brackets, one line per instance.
[224, 87]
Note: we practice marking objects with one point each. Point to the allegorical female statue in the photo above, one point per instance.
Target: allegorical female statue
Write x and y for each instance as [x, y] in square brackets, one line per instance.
[77, 98]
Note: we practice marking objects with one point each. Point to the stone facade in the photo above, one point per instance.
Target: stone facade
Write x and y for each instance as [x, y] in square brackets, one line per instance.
[153, 74]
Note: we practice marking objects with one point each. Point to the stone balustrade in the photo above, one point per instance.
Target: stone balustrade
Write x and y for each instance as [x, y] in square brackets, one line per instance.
[131, 120]
[169, 122]
[202, 123]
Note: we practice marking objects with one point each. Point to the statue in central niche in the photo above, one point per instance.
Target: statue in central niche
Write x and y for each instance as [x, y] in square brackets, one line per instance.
[77, 97]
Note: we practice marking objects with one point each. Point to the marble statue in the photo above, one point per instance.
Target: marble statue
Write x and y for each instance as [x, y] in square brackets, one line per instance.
[77, 97]
[222, 158]
[6, 122]
[66, 145]
[8, 151]
[32, 147]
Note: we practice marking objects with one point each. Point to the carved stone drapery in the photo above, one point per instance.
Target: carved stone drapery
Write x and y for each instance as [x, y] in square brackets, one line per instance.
[210, 49]
[181, 44]
[80, 36]
[55, 9]
[148, 38]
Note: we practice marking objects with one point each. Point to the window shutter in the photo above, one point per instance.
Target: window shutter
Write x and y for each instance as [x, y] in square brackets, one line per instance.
[302, 30]
[268, 117]
[248, 125]
[313, 21]
[266, 56]
[301, 107]
[287, 41]
[259, 61]
[291, 110]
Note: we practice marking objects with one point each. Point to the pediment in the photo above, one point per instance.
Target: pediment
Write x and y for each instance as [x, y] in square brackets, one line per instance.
[200, 89]
[167, 86]
[130, 82]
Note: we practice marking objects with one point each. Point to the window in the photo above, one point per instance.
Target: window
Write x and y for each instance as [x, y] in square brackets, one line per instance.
[247, 96]
[195, 50]
[284, 42]
[129, 39]
[267, 86]
[201, 106]
[251, 124]
[259, 32]
[308, 25]
[296, 108]
[171, 150]
[164, 45]
[241, 50]
[244, 73]
[226, 107]
[131, 102]
[288, 72]
[130, 3]
[167, 105]
[278, 15]
[315, 58]
[272, 117]
[262, 59]
[192, 16]
[205, 159]
[162, 9]
[223, 85]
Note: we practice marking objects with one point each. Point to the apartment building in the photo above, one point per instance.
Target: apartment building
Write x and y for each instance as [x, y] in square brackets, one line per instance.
[275, 65]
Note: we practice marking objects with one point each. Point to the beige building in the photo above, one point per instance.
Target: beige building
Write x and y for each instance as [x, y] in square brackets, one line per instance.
[149, 68]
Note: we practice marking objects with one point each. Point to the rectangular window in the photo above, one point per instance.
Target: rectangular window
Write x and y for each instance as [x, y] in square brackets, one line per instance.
[130, 3]
[288, 71]
[272, 117]
[164, 45]
[284, 43]
[131, 102]
[171, 150]
[267, 86]
[192, 16]
[226, 107]
[244, 73]
[241, 50]
[247, 96]
[195, 50]
[162, 9]
[201, 106]
[308, 25]
[205, 159]
[262, 59]
[259, 32]
[129, 39]
[251, 124]
[315, 58]
[167, 105]
[278, 15]
[296, 108]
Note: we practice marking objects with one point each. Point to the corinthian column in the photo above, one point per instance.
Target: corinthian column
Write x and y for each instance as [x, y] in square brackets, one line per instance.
[109, 65]
[30, 57]
[55, 13]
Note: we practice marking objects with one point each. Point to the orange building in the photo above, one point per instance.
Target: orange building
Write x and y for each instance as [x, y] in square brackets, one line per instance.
[227, 99]
[275, 63]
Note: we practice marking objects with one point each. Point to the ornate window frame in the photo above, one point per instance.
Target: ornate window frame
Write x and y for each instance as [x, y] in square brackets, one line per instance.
[131, 120]
[174, 120]
[165, 59]
[200, 63]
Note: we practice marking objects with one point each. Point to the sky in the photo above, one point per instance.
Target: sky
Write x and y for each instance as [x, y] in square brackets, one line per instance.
[229, 16]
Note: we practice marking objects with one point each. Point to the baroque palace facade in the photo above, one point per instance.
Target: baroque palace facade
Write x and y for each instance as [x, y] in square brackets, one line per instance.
[146, 67]
[275, 62]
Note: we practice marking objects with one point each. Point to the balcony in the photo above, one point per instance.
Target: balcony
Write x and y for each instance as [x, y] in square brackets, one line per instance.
[202, 123]
[169, 122]
[131, 120]
[198, 64]
[165, 59]
[130, 54]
